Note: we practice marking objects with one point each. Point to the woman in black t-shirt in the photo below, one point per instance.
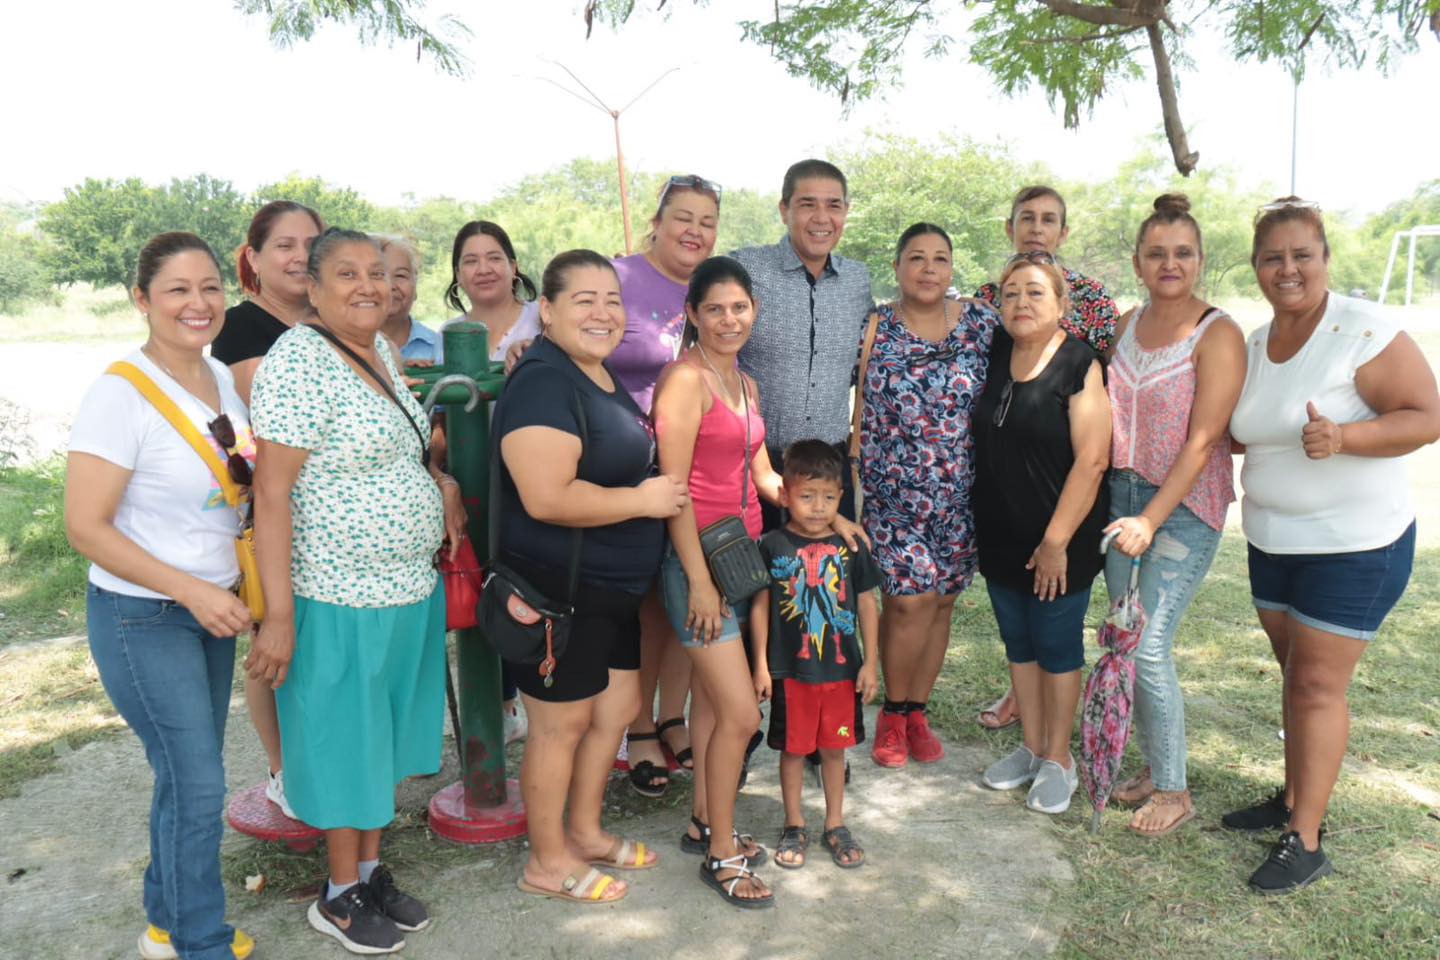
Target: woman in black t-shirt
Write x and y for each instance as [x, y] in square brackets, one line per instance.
[272, 273]
[1042, 443]
[551, 483]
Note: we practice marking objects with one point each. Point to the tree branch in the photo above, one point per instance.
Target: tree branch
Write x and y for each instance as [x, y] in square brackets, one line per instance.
[1104, 16]
[1185, 158]
[1086, 38]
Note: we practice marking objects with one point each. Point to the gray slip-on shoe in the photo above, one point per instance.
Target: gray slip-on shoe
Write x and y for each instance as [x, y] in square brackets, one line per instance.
[1053, 787]
[1015, 769]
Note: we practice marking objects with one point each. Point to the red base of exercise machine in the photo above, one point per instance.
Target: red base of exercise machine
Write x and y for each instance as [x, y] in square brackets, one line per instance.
[448, 817]
[252, 814]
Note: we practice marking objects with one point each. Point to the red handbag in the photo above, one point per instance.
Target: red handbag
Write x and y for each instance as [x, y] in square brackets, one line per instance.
[463, 581]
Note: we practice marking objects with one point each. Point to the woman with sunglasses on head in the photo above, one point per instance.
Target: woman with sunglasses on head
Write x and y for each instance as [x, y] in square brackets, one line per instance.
[1335, 396]
[1038, 223]
[154, 521]
[1176, 373]
[922, 368]
[1042, 443]
[349, 515]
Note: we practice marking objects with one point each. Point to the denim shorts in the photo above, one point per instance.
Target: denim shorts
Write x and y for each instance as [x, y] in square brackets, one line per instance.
[675, 592]
[1048, 632]
[1347, 594]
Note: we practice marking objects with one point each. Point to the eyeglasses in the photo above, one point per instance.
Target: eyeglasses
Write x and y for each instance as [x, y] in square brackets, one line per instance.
[939, 355]
[1032, 256]
[1003, 407]
[224, 433]
[691, 181]
[1289, 205]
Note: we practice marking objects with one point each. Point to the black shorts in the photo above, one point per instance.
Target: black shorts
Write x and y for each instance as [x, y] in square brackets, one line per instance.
[776, 736]
[605, 636]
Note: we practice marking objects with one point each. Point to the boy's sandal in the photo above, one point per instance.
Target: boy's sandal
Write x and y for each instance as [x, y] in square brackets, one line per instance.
[744, 841]
[589, 889]
[1166, 798]
[686, 756]
[628, 855]
[842, 847]
[726, 888]
[793, 842]
[992, 719]
[646, 778]
[1137, 789]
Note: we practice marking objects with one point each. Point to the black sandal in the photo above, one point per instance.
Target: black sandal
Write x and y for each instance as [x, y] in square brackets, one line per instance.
[648, 780]
[840, 844]
[756, 739]
[686, 757]
[793, 840]
[726, 888]
[689, 844]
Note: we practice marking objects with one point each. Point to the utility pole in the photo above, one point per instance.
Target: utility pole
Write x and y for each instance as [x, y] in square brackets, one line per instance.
[614, 114]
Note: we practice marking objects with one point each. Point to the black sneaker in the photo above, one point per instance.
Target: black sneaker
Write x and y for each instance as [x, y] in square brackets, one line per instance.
[354, 919]
[1290, 866]
[407, 912]
[1269, 814]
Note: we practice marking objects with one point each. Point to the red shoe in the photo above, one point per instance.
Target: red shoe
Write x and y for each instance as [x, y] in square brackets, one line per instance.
[891, 748]
[925, 747]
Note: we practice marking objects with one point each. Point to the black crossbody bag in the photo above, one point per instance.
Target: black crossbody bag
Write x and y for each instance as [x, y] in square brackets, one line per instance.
[521, 623]
[733, 557]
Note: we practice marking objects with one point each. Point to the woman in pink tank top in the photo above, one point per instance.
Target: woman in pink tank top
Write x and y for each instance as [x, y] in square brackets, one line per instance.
[1174, 377]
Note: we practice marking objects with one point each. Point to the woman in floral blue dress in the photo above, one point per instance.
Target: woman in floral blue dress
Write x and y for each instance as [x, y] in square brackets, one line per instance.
[922, 371]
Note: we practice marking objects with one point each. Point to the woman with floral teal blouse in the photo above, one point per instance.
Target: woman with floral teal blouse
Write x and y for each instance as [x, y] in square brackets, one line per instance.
[348, 519]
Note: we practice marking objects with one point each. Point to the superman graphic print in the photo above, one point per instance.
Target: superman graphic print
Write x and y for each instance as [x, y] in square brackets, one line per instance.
[814, 629]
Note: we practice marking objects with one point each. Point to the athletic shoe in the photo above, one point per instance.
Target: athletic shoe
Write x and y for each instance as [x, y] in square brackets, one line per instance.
[517, 725]
[1015, 769]
[1269, 814]
[1290, 866]
[1053, 787]
[891, 748]
[355, 920]
[155, 945]
[407, 912]
[925, 747]
[275, 793]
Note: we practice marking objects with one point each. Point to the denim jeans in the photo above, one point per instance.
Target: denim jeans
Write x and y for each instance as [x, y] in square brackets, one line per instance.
[170, 680]
[1170, 574]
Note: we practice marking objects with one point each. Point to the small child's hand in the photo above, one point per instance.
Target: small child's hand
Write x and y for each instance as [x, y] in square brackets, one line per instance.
[762, 684]
[867, 684]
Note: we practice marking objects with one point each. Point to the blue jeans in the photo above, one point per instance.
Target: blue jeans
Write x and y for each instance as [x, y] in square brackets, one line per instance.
[1171, 572]
[170, 680]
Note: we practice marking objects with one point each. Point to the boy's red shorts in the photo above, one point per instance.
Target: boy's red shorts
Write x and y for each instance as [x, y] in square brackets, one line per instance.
[805, 717]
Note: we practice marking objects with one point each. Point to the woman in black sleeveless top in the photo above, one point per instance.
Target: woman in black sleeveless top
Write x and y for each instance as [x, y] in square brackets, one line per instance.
[1042, 443]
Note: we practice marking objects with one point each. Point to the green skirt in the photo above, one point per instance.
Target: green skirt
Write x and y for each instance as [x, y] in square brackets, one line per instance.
[362, 709]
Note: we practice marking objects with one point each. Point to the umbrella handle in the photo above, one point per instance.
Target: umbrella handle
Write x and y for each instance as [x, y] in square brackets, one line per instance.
[1134, 573]
[1108, 539]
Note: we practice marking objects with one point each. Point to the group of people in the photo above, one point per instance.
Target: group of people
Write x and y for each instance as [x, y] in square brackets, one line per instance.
[654, 398]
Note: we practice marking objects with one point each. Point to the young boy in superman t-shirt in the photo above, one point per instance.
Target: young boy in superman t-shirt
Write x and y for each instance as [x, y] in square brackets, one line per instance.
[806, 633]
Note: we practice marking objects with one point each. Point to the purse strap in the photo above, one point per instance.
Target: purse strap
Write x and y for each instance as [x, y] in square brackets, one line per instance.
[865, 350]
[577, 535]
[183, 425]
[745, 455]
[382, 382]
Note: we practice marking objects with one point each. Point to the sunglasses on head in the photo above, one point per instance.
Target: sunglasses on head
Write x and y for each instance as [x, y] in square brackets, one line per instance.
[224, 433]
[1289, 205]
[691, 181]
[1032, 256]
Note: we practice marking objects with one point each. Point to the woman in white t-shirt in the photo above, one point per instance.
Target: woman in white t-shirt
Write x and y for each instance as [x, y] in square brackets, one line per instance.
[148, 513]
[1335, 396]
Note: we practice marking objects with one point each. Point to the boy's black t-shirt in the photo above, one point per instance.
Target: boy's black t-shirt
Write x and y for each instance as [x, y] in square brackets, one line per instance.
[814, 623]
[619, 452]
[249, 332]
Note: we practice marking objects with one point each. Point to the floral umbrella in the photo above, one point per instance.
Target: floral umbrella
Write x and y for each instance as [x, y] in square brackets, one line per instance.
[1109, 695]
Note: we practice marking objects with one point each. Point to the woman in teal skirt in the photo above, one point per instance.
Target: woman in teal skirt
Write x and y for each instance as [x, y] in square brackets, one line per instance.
[348, 518]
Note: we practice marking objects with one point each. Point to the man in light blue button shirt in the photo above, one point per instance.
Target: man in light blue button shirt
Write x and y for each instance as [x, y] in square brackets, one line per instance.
[813, 305]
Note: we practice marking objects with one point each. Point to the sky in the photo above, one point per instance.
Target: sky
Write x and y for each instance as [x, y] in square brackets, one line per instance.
[172, 88]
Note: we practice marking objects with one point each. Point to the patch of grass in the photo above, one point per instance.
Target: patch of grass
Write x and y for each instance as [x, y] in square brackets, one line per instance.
[42, 593]
[79, 312]
[1186, 895]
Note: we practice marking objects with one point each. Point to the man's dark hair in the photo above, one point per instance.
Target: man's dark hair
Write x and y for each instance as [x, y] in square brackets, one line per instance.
[811, 170]
[814, 460]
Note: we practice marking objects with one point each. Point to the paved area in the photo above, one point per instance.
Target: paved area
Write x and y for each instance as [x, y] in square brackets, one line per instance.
[954, 871]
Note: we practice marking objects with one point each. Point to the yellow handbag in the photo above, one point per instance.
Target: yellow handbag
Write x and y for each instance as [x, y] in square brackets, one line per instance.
[248, 588]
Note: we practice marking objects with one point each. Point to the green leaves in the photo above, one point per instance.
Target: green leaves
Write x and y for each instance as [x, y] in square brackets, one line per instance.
[375, 21]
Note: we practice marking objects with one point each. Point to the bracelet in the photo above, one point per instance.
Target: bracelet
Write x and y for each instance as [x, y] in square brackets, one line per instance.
[1339, 438]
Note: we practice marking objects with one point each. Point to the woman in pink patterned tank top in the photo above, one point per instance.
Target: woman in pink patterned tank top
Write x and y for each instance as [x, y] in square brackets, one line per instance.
[1175, 376]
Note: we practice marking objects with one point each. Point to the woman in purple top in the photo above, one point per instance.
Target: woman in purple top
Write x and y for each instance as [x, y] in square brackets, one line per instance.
[652, 285]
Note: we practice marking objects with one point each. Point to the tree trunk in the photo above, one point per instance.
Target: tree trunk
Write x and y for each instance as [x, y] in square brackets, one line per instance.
[1185, 158]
